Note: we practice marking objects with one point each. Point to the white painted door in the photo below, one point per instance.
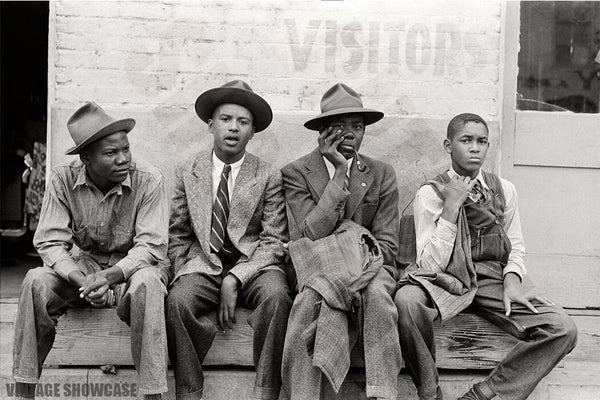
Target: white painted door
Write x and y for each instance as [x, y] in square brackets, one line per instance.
[553, 157]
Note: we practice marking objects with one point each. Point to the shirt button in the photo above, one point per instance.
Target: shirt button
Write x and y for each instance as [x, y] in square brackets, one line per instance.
[363, 184]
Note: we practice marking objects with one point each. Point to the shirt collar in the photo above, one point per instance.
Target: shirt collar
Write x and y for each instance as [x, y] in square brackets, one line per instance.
[219, 165]
[84, 179]
[331, 168]
[452, 173]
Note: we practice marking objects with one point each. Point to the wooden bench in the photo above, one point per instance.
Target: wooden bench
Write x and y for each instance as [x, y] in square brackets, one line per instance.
[86, 335]
[468, 346]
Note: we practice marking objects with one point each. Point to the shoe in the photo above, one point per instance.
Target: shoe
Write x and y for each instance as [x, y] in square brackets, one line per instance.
[471, 395]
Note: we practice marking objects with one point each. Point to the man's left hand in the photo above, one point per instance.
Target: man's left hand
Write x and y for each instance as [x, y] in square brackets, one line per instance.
[515, 292]
[94, 288]
[229, 292]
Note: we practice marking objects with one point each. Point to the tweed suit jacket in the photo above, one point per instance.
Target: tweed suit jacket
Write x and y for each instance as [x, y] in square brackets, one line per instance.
[257, 224]
[314, 201]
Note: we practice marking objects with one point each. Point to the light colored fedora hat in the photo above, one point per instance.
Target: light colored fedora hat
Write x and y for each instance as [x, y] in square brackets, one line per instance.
[341, 99]
[236, 92]
[91, 123]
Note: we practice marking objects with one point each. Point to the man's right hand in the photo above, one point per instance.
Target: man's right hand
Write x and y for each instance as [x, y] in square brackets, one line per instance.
[329, 140]
[454, 194]
[94, 288]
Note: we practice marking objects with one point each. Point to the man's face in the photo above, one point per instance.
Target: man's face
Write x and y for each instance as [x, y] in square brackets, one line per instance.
[468, 148]
[232, 126]
[107, 160]
[353, 130]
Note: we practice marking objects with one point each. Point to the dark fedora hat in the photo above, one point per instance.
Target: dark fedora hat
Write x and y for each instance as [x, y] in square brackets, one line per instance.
[91, 123]
[341, 99]
[236, 92]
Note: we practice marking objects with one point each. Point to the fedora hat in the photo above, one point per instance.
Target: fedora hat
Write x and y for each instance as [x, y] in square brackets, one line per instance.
[341, 99]
[236, 92]
[91, 123]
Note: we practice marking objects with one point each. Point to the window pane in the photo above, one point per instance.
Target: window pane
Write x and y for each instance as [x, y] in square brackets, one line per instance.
[559, 60]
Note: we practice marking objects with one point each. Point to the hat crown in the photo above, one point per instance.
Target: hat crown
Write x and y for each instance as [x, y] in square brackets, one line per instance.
[340, 96]
[238, 84]
[235, 92]
[86, 121]
[90, 123]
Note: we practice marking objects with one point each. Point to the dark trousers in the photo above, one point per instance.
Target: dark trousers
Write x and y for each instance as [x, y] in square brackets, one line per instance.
[551, 335]
[190, 333]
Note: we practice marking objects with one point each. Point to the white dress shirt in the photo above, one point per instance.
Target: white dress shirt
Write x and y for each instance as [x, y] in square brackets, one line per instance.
[217, 169]
[331, 168]
[436, 236]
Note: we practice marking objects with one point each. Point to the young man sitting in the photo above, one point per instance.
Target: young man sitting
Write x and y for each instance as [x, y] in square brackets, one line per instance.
[470, 251]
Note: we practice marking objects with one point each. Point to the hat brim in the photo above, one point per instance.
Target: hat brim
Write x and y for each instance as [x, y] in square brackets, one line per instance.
[260, 109]
[126, 125]
[369, 116]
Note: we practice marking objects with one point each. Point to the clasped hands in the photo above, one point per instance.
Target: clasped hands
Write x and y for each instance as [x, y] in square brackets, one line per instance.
[96, 290]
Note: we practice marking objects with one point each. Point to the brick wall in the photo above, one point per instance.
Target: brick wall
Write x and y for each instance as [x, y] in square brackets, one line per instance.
[419, 62]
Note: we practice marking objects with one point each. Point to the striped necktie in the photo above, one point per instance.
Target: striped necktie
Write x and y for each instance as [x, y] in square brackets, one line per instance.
[342, 212]
[220, 213]
[478, 192]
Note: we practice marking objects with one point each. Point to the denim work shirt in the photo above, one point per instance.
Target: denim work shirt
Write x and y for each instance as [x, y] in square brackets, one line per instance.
[126, 227]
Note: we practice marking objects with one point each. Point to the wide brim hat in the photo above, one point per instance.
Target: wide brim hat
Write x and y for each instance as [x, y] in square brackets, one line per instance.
[235, 92]
[91, 123]
[341, 99]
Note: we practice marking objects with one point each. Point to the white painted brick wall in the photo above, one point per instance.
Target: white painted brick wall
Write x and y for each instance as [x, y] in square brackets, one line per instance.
[421, 62]
[443, 52]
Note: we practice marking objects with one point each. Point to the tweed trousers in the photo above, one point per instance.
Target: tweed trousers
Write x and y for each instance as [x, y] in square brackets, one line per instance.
[190, 333]
[302, 380]
[45, 296]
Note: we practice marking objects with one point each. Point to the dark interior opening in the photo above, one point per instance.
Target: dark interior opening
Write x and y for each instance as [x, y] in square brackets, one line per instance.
[23, 100]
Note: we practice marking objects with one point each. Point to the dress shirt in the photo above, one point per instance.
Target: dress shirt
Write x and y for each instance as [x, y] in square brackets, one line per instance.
[126, 227]
[435, 235]
[217, 169]
[331, 168]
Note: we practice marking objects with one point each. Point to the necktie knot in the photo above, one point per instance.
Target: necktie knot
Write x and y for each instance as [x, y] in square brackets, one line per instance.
[478, 193]
[226, 170]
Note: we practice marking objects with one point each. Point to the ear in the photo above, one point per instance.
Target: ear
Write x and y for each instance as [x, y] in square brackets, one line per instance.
[85, 159]
[210, 126]
[448, 146]
[253, 132]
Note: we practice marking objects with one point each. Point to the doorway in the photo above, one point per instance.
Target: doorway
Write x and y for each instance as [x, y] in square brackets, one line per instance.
[551, 142]
[23, 104]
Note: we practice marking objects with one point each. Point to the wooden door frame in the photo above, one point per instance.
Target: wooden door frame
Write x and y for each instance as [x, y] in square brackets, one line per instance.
[509, 43]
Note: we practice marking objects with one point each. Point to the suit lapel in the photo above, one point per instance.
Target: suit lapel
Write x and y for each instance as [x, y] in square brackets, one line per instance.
[201, 190]
[360, 183]
[244, 199]
[316, 174]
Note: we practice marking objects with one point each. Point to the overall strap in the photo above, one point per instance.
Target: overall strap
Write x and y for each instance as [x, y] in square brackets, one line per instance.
[495, 184]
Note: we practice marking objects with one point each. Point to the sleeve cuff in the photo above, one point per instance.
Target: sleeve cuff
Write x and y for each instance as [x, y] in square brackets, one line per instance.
[127, 267]
[239, 278]
[514, 269]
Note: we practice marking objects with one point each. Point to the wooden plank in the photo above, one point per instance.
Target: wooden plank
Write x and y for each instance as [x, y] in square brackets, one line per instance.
[470, 342]
[576, 381]
[463, 342]
[576, 132]
[570, 281]
[98, 337]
